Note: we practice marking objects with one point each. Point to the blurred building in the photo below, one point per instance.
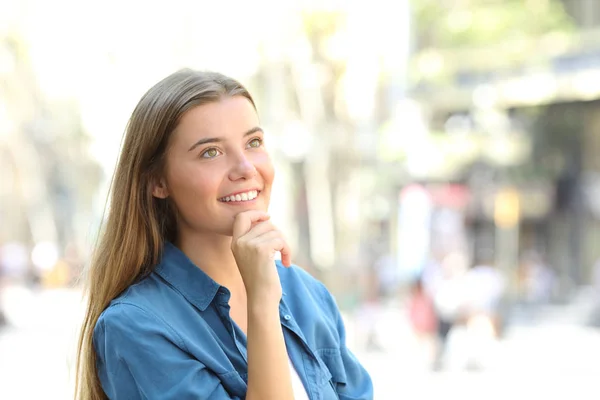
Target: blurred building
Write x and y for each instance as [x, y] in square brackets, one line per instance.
[513, 116]
[485, 109]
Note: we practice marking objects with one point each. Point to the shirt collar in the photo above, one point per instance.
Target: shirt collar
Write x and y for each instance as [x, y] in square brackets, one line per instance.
[193, 283]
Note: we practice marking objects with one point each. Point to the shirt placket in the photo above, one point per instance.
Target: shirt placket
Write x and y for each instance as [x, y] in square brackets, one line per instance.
[238, 336]
[302, 356]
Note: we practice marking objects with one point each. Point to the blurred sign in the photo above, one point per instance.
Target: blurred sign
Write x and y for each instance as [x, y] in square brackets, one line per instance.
[507, 208]
[449, 195]
[535, 202]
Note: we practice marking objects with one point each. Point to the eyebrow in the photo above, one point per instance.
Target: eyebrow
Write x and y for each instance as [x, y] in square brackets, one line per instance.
[218, 139]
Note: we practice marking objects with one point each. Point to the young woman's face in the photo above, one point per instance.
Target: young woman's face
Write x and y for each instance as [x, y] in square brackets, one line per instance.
[217, 166]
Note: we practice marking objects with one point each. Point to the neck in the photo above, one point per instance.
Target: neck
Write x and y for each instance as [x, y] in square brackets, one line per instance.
[212, 254]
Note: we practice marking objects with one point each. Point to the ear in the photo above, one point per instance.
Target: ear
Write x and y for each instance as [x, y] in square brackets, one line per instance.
[159, 189]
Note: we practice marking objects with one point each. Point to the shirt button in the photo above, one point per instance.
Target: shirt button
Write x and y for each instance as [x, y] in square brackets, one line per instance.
[287, 317]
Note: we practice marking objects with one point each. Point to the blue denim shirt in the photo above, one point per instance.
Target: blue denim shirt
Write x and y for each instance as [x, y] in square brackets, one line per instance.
[170, 336]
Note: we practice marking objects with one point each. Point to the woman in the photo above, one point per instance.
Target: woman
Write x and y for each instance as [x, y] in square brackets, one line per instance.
[185, 298]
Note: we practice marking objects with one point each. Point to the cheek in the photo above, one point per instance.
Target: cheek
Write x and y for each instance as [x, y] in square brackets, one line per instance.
[190, 185]
[266, 168]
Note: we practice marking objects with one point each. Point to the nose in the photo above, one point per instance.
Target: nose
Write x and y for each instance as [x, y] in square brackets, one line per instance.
[242, 168]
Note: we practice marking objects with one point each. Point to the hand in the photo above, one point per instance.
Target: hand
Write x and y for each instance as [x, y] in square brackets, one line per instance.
[254, 244]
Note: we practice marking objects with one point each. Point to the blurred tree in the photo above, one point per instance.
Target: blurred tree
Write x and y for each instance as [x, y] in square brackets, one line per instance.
[474, 23]
[48, 177]
[341, 93]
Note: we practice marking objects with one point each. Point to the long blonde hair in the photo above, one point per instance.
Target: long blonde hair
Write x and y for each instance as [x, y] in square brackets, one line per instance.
[137, 224]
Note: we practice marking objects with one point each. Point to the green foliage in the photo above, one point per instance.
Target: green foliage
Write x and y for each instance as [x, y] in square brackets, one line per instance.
[476, 23]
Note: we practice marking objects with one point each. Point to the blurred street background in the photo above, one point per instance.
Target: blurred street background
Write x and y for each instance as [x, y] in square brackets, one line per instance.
[438, 169]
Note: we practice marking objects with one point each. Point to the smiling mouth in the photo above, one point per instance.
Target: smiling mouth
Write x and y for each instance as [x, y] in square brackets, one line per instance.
[240, 197]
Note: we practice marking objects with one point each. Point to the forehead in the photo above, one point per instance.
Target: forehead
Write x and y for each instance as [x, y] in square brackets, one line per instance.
[227, 116]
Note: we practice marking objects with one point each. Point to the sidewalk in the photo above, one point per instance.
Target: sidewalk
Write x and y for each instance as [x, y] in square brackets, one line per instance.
[37, 348]
[555, 357]
[552, 356]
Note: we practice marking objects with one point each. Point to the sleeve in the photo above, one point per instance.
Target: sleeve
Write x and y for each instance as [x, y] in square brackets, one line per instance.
[141, 357]
[357, 383]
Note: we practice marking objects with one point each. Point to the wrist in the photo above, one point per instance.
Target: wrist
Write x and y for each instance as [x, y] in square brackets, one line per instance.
[262, 307]
[263, 298]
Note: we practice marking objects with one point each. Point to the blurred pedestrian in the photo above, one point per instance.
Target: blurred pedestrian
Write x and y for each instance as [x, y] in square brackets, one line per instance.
[186, 300]
[443, 281]
[595, 317]
[423, 320]
[538, 280]
[3, 319]
[484, 286]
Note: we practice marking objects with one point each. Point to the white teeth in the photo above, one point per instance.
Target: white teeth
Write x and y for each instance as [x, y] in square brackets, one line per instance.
[251, 195]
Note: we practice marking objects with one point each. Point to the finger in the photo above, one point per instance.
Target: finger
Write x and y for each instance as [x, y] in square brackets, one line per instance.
[243, 222]
[261, 228]
[277, 242]
[286, 255]
[266, 237]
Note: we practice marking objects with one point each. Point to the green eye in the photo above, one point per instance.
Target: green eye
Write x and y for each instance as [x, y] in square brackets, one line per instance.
[256, 142]
[210, 153]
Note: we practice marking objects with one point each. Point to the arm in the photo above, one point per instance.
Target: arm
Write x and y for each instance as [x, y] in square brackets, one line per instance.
[268, 371]
[358, 384]
[255, 241]
[141, 357]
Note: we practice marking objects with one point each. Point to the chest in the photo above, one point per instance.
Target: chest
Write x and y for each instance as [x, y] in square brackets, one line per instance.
[318, 364]
[239, 314]
[217, 337]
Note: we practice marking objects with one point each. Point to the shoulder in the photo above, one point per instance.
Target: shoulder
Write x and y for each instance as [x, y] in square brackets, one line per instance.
[295, 276]
[133, 315]
[150, 298]
[121, 311]
[126, 318]
[295, 272]
[295, 281]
